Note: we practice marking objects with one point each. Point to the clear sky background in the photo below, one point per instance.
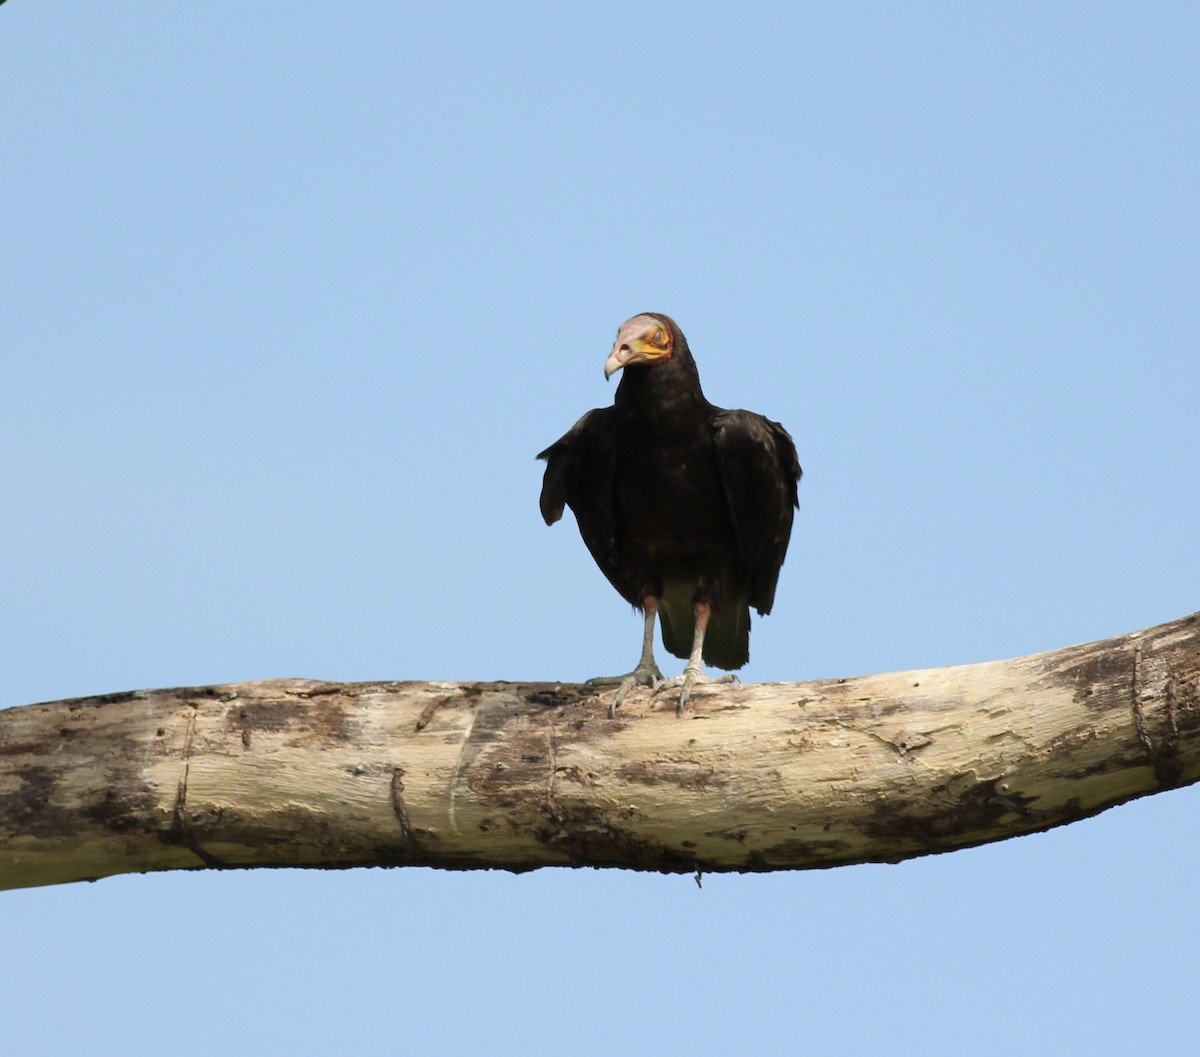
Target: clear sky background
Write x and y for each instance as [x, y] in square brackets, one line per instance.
[290, 296]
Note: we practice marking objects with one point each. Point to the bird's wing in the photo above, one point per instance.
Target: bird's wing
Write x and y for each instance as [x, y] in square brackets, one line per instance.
[760, 471]
[580, 468]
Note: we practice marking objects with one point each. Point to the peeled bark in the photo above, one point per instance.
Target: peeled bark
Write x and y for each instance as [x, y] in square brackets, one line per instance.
[515, 776]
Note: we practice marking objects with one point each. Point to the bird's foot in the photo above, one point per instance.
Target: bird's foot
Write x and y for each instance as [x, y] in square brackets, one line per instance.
[642, 675]
[692, 676]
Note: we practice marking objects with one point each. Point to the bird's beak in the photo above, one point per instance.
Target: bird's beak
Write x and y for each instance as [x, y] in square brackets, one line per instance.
[620, 355]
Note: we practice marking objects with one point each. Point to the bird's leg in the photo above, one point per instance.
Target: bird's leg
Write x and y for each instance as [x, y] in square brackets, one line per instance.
[646, 673]
[693, 673]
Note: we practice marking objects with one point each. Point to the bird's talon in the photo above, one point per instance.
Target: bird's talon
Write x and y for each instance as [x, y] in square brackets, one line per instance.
[687, 681]
[642, 675]
[627, 684]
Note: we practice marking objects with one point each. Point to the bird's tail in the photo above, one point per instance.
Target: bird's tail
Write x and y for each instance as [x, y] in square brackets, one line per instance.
[726, 640]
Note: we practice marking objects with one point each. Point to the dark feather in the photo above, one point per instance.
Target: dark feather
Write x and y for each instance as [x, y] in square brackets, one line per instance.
[761, 472]
[580, 467]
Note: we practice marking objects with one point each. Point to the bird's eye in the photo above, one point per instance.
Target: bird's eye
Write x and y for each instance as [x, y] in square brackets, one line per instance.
[658, 337]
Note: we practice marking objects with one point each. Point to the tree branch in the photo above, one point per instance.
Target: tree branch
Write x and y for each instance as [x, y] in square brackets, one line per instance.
[520, 775]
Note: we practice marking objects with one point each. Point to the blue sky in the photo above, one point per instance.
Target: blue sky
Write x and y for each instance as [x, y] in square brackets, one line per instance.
[290, 295]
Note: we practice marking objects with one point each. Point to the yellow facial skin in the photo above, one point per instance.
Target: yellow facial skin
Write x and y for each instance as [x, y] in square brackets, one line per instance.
[642, 339]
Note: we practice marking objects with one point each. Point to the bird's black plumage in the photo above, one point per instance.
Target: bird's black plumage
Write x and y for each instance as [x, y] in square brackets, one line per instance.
[678, 501]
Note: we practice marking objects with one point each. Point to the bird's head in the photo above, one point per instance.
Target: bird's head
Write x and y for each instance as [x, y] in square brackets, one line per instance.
[645, 339]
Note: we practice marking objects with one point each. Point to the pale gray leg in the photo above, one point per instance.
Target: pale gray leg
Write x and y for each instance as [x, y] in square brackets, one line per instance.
[693, 673]
[645, 674]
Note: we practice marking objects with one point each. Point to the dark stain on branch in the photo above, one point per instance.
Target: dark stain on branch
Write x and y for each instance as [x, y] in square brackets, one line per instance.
[683, 774]
[588, 837]
[27, 809]
[1094, 676]
[326, 719]
[556, 695]
[126, 805]
[427, 713]
[964, 805]
[413, 849]
[12, 747]
[119, 697]
[1163, 754]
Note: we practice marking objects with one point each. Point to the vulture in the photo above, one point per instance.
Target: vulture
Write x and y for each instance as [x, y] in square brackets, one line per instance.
[686, 507]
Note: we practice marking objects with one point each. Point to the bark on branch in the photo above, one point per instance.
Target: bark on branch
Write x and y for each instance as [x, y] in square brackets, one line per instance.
[292, 772]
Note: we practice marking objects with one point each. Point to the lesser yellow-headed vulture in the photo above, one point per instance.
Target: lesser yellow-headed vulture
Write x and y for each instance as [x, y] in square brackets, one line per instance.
[686, 507]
